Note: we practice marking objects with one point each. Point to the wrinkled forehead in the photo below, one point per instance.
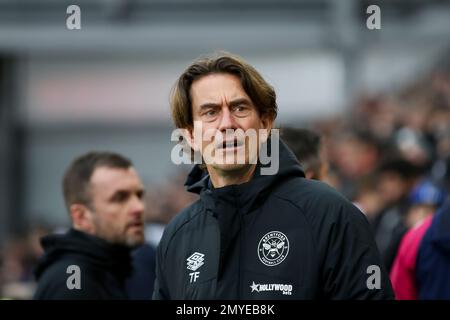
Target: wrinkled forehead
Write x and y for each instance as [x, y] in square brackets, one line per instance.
[108, 180]
[216, 88]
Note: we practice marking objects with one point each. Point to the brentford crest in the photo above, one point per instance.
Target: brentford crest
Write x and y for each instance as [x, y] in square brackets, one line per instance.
[273, 248]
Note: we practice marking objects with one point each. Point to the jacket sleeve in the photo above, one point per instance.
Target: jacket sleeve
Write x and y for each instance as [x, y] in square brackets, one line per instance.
[160, 291]
[402, 273]
[351, 265]
[53, 286]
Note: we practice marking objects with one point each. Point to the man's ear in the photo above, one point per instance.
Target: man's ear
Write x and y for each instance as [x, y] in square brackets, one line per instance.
[82, 218]
[190, 138]
[267, 124]
[267, 121]
[309, 174]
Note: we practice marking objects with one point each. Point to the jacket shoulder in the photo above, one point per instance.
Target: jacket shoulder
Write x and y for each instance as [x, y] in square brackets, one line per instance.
[323, 207]
[314, 197]
[57, 282]
[343, 240]
[183, 218]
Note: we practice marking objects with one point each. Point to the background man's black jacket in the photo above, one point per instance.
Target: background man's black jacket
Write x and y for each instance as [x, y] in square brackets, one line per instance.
[328, 250]
[103, 267]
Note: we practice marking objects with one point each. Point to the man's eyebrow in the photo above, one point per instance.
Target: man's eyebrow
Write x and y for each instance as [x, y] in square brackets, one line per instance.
[209, 105]
[234, 102]
[119, 192]
[127, 192]
[240, 101]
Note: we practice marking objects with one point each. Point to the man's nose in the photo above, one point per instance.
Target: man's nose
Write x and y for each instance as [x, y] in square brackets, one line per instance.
[227, 120]
[137, 207]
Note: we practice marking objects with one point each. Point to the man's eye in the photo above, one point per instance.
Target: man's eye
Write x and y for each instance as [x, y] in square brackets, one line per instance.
[210, 114]
[241, 110]
[140, 194]
[120, 197]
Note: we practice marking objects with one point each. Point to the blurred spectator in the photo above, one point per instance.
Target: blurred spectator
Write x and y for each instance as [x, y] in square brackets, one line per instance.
[19, 256]
[367, 197]
[139, 285]
[425, 198]
[355, 155]
[413, 146]
[162, 206]
[377, 115]
[433, 260]
[307, 147]
[396, 178]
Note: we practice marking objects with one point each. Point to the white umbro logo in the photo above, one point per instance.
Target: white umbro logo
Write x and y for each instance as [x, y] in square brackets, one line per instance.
[195, 261]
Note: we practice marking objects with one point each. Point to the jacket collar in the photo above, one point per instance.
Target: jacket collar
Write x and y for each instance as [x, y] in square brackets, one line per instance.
[243, 196]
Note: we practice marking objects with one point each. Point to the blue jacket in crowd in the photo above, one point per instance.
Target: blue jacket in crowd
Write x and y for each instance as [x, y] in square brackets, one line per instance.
[433, 260]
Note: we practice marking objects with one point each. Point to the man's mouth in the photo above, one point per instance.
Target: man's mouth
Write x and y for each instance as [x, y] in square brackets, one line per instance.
[137, 224]
[231, 144]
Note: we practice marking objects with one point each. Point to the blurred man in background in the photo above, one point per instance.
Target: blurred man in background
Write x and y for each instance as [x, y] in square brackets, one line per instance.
[367, 198]
[425, 198]
[309, 150]
[433, 259]
[356, 154]
[395, 180]
[104, 196]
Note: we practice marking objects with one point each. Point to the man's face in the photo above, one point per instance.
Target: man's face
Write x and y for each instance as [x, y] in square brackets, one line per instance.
[391, 187]
[117, 204]
[219, 103]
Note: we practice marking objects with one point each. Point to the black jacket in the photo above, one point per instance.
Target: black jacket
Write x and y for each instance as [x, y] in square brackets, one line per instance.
[139, 284]
[275, 237]
[103, 267]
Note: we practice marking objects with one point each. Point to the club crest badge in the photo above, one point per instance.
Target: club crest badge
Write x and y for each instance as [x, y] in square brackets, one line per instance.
[273, 248]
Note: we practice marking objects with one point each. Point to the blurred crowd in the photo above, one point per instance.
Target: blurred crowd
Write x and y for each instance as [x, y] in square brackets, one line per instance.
[389, 154]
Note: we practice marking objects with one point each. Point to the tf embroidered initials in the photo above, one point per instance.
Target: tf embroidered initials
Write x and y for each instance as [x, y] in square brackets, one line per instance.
[195, 261]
